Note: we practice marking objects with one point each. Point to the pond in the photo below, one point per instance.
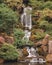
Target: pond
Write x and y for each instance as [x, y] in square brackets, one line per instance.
[26, 63]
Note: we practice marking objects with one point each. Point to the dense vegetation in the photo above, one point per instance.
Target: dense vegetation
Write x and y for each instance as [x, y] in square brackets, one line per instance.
[8, 18]
[10, 12]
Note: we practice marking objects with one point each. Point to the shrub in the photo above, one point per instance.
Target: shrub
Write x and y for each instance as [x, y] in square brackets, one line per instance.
[40, 35]
[18, 34]
[48, 4]
[36, 4]
[8, 52]
[8, 18]
[40, 4]
[46, 26]
[43, 24]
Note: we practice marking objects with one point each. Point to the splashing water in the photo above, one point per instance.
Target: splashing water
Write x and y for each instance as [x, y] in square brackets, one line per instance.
[31, 51]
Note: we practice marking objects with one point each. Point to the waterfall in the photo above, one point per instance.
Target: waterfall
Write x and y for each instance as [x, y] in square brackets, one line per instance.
[27, 22]
[26, 36]
[31, 51]
[26, 17]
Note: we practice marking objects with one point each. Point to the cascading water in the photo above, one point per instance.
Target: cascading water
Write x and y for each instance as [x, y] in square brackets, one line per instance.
[26, 17]
[27, 35]
[31, 51]
[26, 20]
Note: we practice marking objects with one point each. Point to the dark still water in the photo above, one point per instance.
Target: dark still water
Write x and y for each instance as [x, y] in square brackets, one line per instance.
[16, 63]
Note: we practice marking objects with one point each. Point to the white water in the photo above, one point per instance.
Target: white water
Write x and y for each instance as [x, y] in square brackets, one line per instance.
[31, 51]
[26, 21]
[27, 35]
[26, 17]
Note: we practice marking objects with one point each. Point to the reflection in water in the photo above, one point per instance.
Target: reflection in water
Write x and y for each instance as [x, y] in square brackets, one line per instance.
[16, 63]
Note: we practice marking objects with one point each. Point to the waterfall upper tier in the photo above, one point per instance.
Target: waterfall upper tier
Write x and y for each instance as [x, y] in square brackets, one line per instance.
[26, 17]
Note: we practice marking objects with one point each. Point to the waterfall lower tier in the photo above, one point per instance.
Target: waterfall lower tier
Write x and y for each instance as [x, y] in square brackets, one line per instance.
[32, 52]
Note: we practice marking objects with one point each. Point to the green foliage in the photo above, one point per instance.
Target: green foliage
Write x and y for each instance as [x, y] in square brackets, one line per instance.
[36, 4]
[18, 34]
[43, 24]
[8, 18]
[49, 29]
[40, 4]
[19, 41]
[8, 52]
[46, 26]
[38, 34]
[47, 4]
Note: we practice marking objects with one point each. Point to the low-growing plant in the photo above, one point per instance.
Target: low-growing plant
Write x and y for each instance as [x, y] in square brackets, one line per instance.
[39, 35]
[8, 52]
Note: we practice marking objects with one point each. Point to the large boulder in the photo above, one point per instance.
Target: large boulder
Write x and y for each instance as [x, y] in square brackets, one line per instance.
[49, 58]
[43, 46]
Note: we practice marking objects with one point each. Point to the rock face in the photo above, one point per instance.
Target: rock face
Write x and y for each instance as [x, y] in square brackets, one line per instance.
[43, 46]
[49, 58]
[50, 47]
[45, 41]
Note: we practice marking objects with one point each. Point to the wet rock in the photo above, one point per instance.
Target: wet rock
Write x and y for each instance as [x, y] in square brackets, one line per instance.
[49, 58]
[21, 58]
[40, 51]
[25, 52]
